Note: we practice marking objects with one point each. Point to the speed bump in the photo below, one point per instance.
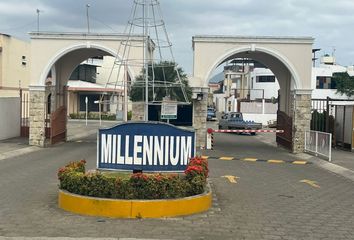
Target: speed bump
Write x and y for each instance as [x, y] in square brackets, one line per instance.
[276, 161]
[272, 161]
[227, 158]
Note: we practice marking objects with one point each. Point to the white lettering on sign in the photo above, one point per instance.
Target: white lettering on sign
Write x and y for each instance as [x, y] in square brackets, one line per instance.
[146, 150]
[186, 149]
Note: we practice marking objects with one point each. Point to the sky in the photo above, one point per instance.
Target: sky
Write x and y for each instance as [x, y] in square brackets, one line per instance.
[330, 22]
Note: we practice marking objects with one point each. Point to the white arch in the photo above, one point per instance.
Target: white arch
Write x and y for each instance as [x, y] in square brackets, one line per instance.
[269, 51]
[71, 48]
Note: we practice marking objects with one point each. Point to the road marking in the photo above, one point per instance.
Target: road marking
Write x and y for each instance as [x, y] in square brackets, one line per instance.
[311, 183]
[232, 179]
[250, 159]
[275, 161]
[271, 161]
[79, 141]
[300, 162]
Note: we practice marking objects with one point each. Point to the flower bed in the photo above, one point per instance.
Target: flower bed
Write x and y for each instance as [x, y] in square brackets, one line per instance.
[74, 179]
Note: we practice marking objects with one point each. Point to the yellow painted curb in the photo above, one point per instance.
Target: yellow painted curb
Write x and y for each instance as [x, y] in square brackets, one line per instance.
[116, 208]
[226, 158]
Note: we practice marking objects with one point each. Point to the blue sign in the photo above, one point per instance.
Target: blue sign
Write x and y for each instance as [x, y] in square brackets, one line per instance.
[150, 147]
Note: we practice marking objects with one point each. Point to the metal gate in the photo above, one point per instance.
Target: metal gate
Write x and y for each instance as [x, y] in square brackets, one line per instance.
[285, 123]
[58, 125]
[24, 109]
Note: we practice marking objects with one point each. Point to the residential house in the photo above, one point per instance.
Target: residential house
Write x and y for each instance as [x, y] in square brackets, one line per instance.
[14, 65]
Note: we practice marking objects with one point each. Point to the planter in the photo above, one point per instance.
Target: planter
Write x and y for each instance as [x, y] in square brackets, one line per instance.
[116, 208]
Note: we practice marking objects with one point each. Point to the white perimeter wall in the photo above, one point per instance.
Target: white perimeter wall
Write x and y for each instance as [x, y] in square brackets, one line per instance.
[10, 117]
[260, 118]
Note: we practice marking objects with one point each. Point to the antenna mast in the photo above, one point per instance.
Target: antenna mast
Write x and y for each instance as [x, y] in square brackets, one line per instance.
[38, 11]
[146, 29]
[87, 17]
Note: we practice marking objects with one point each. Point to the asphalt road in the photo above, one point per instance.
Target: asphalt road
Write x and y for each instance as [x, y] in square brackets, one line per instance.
[268, 200]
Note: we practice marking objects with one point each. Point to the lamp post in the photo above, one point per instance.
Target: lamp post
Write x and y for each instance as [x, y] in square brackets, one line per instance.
[99, 109]
[86, 102]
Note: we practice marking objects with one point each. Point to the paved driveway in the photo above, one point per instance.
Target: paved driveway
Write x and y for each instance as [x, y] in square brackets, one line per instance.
[269, 200]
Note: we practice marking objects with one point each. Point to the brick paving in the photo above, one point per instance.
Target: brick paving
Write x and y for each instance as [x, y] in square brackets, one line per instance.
[268, 201]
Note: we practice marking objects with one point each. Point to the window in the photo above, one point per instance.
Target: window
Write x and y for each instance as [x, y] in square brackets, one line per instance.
[265, 79]
[84, 72]
[24, 61]
[323, 82]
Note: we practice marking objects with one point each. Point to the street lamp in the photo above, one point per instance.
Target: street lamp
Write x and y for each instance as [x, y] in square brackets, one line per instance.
[86, 102]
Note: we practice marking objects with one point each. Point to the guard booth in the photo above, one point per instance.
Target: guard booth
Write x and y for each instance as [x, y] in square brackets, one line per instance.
[184, 115]
[344, 126]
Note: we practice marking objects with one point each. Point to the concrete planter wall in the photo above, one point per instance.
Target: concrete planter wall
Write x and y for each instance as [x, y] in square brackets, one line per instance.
[116, 208]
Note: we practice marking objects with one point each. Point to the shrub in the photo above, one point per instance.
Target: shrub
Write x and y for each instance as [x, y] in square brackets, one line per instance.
[197, 167]
[73, 179]
[93, 115]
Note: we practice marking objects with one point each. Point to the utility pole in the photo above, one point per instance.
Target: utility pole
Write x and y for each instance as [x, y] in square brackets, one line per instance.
[38, 11]
[145, 58]
[87, 16]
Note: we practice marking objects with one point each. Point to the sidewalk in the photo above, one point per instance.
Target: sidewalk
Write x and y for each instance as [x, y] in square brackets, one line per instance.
[77, 129]
[342, 163]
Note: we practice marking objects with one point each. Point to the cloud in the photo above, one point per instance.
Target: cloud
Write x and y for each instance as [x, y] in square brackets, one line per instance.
[330, 22]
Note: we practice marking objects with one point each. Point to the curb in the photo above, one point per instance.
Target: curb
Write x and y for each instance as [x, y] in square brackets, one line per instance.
[334, 168]
[118, 208]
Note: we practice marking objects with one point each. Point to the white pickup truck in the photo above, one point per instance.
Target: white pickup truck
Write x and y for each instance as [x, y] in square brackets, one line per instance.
[234, 120]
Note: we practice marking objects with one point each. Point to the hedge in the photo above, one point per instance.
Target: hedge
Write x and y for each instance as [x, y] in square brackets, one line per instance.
[91, 115]
[74, 179]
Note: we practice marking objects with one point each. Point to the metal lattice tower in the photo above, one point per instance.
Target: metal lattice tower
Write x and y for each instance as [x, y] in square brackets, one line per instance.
[147, 25]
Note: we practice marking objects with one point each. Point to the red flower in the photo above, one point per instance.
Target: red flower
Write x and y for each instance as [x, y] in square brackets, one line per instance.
[140, 176]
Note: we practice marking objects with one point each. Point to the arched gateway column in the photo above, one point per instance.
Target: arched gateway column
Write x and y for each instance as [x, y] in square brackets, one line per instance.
[301, 118]
[37, 116]
[290, 59]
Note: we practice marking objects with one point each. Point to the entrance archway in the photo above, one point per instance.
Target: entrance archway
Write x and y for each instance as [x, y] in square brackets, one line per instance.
[288, 58]
[54, 58]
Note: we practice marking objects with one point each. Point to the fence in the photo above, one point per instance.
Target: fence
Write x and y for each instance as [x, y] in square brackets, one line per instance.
[24, 110]
[25, 115]
[319, 144]
[324, 113]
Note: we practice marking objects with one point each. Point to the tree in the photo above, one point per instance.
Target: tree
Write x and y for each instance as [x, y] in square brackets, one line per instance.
[345, 83]
[166, 83]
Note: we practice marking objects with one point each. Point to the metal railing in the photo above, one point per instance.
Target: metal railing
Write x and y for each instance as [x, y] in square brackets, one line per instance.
[319, 144]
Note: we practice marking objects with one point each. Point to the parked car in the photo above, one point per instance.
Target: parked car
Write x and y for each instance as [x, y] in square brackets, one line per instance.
[211, 114]
[234, 120]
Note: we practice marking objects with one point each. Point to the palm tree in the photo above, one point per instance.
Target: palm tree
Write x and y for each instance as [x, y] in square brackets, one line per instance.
[165, 79]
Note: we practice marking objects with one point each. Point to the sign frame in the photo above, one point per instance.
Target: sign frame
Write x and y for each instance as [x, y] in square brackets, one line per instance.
[169, 110]
[181, 140]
